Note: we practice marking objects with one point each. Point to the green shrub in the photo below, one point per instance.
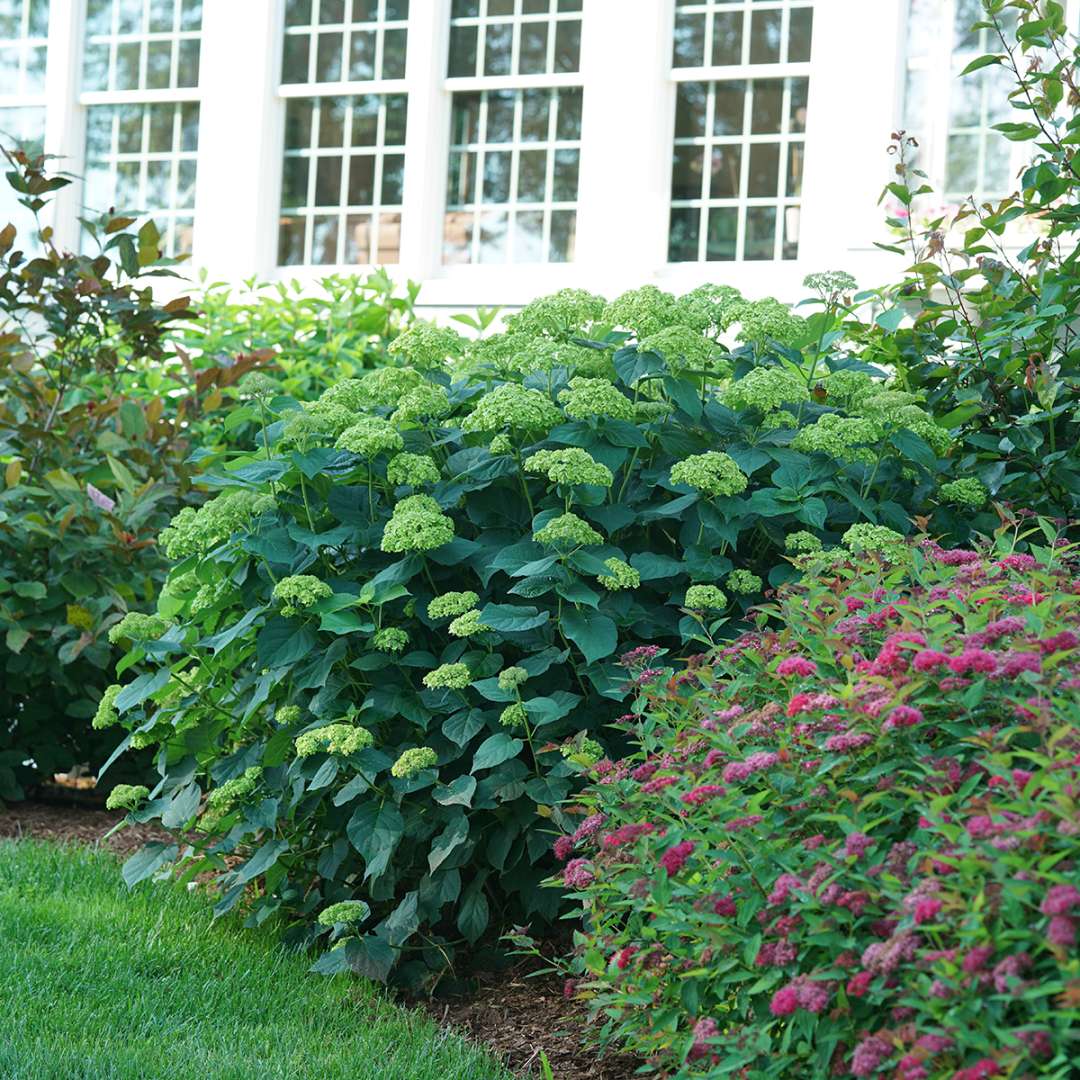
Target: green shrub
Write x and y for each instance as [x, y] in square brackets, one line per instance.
[849, 845]
[993, 292]
[89, 474]
[395, 629]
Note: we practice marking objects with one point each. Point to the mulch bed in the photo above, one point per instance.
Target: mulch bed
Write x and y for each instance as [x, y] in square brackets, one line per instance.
[513, 1013]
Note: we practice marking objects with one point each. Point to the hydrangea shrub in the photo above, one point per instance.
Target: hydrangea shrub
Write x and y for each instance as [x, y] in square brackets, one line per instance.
[405, 606]
[850, 843]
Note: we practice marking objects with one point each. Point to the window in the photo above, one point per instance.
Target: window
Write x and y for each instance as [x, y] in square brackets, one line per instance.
[344, 156]
[515, 151]
[141, 154]
[24, 32]
[737, 167]
[953, 118]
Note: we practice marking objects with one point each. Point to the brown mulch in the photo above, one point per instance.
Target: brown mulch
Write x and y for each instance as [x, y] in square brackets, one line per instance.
[514, 1014]
[66, 823]
[517, 1016]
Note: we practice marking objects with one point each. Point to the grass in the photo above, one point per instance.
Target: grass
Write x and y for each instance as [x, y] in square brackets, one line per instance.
[98, 983]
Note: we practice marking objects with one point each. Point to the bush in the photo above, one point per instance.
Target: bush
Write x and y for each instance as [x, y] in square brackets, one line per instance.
[395, 629]
[993, 291]
[89, 474]
[849, 845]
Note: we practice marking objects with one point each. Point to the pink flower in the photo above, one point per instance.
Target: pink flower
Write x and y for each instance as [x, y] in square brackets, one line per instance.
[675, 857]
[1062, 642]
[741, 770]
[782, 888]
[981, 1070]
[929, 660]
[785, 1001]
[704, 1030]
[869, 1055]
[796, 665]
[1061, 931]
[856, 844]
[926, 909]
[848, 741]
[725, 906]
[1018, 562]
[976, 958]
[624, 956]
[577, 874]
[704, 793]
[1060, 900]
[903, 716]
[973, 660]
[859, 985]
[562, 848]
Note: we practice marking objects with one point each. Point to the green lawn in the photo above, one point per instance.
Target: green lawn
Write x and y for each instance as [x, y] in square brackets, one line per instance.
[97, 983]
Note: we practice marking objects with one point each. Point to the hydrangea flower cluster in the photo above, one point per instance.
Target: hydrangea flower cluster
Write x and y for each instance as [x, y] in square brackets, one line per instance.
[682, 347]
[587, 398]
[451, 603]
[762, 321]
[369, 437]
[621, 575]
[425, 345]
[712, 473]
[192, 532]
[135, 626]
[845, 438]
[467, 624]
[560, 316]
[126, 797]
[858, 698]
[417, 524]
[705, 598]
[449, 677]
[875, 538]
[567, 530]
[413, 761]
[300, 591]
[744, 582]
[766, 389]
[338, 738]
[967, 491]
[425, 402]
[570, 466]
[802, 543]
[512, 406]
[512, 677]
[106, 715]
[412, 469]
[391, 639]
[345, 913]
[514, 716]
[232, 793]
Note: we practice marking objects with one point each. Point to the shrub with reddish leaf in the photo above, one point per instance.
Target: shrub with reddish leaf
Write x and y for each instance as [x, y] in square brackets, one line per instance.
[850, 845]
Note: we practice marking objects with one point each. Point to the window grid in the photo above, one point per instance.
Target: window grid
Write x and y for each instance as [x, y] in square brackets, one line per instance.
[144, 155]
[712, 223]
[526, 212]
[24, 41]
[728, 33]
[333, 41]
[142, 44]
[514, 37]
[329, 226]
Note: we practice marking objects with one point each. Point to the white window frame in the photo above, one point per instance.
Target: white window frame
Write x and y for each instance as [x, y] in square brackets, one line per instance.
[624, 193]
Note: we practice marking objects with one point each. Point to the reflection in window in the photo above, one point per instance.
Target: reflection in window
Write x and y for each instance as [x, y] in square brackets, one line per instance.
[142, 157]
[952, 118]
[723, 33]
[737, 171]
[142, 44]
[24, 33]
[514, 37]
[344, 40]
[24, 126]
[513, 181]
[341, 189]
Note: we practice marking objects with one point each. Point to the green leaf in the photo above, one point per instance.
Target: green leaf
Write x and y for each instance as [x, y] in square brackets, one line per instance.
[147, 862]
[981, 62]
[595, 635]
[375, 832]
[282, 642]
[473, 911]
[453, 836]
[463, 725]
[509, 618]
[458, 792]
[891, 319]
[31, 590]
[16, 638]
[496, 749]
[183, 806]
[261, 861]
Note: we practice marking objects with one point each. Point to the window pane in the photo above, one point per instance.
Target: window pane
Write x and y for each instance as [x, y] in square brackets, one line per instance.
[726, 161]
[721, 243]
[350, 36]
[760, 232]
[683, 237]
[548, 38]
[689, 40]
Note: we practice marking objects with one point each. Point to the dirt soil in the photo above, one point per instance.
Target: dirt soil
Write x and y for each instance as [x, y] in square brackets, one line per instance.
[516, 1015]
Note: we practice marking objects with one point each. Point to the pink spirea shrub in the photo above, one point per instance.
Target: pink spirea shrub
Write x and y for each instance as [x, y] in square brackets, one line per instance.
[850, 845]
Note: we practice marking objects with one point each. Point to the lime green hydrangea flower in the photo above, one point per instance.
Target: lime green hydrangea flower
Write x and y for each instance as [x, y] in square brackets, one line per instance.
[845, 438]
[713, 473]
[332, 418]
[849, 385]
[595, 397]
[570, 466]
[744, 582]
[346, 913]
[300, 591]
[560, 316]
[106, 714]
[766, 389]
[501, 445]
[967, 491]
[705, 598]
[802, 543]
[513, 406]
[709, 307]
[391, 639]
[417, 524]
[425, 345]
[876, 538]
[830, 284]
[646, 311]
[369, 436]
[514, 716]
[622, 575]
[779, 419]
[346, 394]
[411, 762]
[386, 386]
[425, 402]
[681, 347]
[925, 426]
[762, 321]
[287, 715]
[299, 427]
[567, 530]
[257, 384]
[645, 412]
[451, 603]
[468, 624]
[412, 469]
[213, 592]
[448, 676]
[126, 796]
[511, 678]
[586, 752]
[135, 626]
[193, 532]
[233, 792]
[337, 738]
